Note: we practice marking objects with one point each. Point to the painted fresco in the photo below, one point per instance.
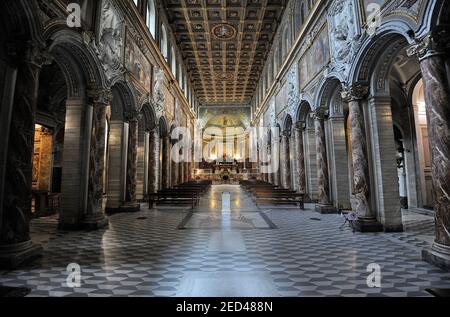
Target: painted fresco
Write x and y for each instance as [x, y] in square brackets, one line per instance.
[315, 58]
[136, 62]
[282, 99]
[225, 117]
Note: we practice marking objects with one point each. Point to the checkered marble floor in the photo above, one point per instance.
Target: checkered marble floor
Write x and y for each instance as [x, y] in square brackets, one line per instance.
[145, 254]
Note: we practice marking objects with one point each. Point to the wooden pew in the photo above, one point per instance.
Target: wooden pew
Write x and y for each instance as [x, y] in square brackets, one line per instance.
[263, 192]
[186, 194]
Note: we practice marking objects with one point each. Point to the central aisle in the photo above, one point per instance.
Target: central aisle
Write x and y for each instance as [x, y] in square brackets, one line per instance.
[227, 207]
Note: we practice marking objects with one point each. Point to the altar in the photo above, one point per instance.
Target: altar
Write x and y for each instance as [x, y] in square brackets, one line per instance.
[226, 173]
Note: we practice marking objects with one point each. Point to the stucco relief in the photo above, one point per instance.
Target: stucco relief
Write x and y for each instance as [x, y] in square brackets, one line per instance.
[293, 93]
[344, 36]
[110, 38]
[158, 91]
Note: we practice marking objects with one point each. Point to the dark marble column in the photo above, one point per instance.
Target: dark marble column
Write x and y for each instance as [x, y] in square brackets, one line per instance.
[15, 244]
[270, 174]
[432, 52]
[165, 170]
[323, 182]
[300, 155]
[131, 203]
[367, 221]
[95, 213]
[173, 165]
[285, 160]
[153, 162]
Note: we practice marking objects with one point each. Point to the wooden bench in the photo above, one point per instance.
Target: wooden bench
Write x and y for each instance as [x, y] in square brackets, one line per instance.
[263, 192]
[186, 194]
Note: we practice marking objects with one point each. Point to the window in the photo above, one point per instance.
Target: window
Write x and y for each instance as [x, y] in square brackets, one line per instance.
[164, 43]
[151, 17]
[173, 62]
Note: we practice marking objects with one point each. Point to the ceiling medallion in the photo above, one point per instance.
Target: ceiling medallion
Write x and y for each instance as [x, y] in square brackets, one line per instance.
[224, 76]
[224, 31]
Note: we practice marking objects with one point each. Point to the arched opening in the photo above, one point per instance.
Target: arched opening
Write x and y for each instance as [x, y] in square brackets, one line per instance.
[151, 17]
[164, 44]
[49, 143]
[424, 164]
[173, 62]
[308, 175]
[411, 151]
[330, 99]
[118, 146]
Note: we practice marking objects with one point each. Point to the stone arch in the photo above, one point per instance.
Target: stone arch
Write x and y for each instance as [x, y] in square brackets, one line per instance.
[163, 127]
[68, 49]
[327, 89]
[287, 123]
[19, 21]
[388, 36]
[149, 116]
[123, 100]
[303, 111]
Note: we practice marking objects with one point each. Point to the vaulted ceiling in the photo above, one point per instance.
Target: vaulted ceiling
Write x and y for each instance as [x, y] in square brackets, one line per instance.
[224, 44]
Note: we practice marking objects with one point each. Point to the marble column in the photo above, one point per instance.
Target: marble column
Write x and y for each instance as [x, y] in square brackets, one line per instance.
[323, 182]
[285, 161]
[95, 212]
[270, 174]
[165, 170]
[300, 174]
[367, 221]
[131, 203]
[432, 51]
[187, 170]
[16, 246]
[173, 166]
[275, 149]
[153, 162]
[8, 75]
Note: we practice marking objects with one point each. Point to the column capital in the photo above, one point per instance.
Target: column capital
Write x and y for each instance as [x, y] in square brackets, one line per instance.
[355, 91]
[100, 95]
[132, 115]
[432, 44]
[320, 114]
[31, 52]
[300, 125]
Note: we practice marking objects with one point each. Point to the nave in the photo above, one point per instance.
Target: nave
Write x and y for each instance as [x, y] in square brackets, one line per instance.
[248, 251]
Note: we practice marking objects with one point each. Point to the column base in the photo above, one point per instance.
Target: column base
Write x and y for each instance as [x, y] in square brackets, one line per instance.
[326, 209]
[130, 207]
[393, 228]
[438, 255]
[94, 222]
[368, 225]
[14, 255]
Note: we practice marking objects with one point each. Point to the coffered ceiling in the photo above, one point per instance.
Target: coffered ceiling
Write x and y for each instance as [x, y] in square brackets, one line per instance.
[224, 44]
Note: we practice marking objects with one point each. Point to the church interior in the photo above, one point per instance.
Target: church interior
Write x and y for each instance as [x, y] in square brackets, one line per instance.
[224, 148]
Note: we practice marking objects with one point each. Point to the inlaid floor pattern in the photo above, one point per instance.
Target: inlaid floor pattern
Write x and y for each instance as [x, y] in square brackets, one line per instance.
[230, 254]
